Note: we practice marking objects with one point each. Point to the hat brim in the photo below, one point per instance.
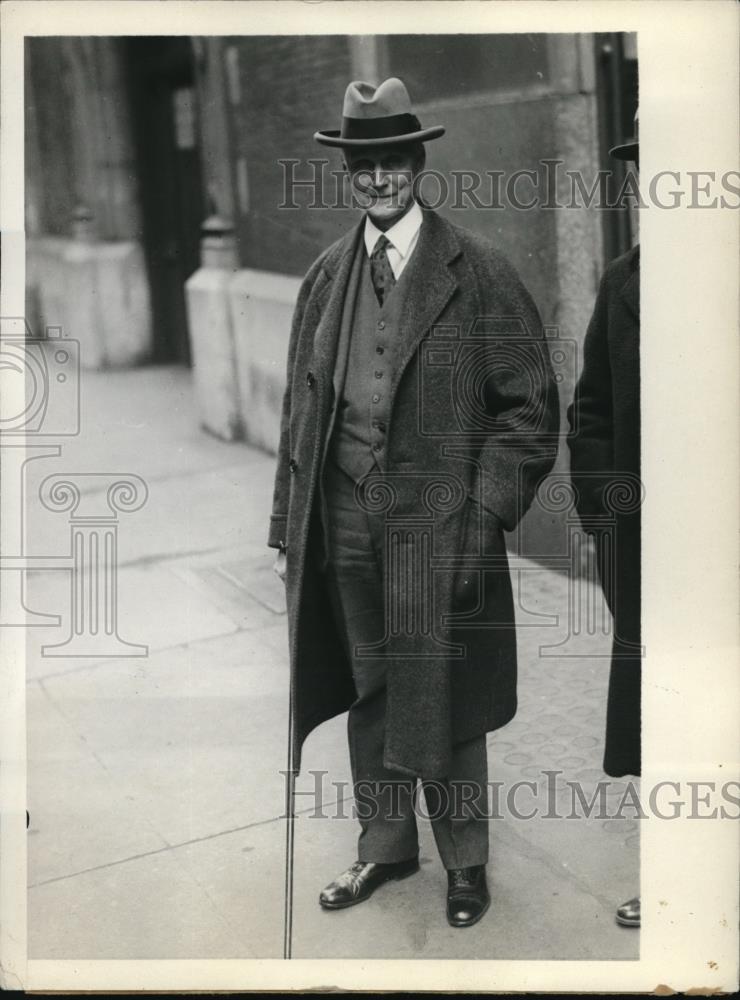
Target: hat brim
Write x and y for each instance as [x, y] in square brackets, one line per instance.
[627, 151]
[332, 137]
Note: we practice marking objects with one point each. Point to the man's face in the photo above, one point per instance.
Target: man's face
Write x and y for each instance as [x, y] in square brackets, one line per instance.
[382, 178]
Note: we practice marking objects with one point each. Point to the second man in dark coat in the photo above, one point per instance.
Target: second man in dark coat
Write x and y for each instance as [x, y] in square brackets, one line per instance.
[604, 442]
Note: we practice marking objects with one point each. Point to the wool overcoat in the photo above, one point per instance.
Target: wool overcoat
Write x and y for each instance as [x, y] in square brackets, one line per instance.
[604, 442]
[473, 428]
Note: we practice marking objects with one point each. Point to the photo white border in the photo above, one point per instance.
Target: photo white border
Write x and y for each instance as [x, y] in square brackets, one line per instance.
[688, 65]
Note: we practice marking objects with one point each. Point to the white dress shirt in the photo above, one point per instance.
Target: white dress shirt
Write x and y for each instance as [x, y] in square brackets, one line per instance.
[403, 237]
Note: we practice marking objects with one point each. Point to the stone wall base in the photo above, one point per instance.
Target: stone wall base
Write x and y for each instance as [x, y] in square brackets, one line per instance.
[239, 329]
[213, 353]
[97, 292]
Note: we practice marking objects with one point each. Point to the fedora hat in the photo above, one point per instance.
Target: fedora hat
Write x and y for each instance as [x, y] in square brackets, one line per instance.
[376, 116]
[630, 149]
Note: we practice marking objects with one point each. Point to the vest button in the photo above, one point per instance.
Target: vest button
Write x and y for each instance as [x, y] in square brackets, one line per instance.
[378, 374]
[377, 446]
[376, 398]
[310, 380]
[293, 465]
[381, 324]
[379, 349]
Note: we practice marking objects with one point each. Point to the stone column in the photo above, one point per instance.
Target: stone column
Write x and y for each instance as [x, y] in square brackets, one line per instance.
[369, 57]
[579, 239]
[102, 135]
[216, 155]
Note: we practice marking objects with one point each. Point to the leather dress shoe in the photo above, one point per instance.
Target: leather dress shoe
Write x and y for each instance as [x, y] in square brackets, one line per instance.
[467, 895]
[628, 914]
[361, 880]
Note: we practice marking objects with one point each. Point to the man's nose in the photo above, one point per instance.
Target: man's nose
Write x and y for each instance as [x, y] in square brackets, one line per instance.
[379, 177]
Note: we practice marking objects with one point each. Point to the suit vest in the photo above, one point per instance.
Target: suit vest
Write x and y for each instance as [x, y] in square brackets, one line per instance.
[359, 440]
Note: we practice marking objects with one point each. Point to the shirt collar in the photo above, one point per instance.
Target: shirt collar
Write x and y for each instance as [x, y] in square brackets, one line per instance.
[400, 235]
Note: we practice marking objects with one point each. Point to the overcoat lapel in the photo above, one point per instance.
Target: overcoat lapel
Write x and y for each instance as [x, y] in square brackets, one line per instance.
[348, 310]
[331, 305]
[431, 286]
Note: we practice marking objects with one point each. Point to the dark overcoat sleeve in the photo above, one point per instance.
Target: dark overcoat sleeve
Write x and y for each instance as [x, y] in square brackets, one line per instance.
[277, 537]
[521, 402]
[590, 415]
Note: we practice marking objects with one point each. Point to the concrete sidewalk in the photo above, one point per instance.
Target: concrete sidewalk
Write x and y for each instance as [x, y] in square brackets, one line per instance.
[154, 782]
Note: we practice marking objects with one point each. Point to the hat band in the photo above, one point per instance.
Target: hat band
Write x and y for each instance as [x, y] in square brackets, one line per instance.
[391, 126]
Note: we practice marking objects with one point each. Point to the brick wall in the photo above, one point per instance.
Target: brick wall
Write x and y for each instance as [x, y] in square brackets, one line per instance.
[488, 91]
[288, 87]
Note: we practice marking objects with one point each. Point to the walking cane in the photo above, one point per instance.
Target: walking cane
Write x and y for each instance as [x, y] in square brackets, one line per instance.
[289, 833]
[290, 775]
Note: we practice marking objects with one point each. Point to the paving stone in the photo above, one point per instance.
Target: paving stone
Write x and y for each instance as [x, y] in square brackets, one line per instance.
[194, 737]
[149, 908]
[79, 816]
[156, 609]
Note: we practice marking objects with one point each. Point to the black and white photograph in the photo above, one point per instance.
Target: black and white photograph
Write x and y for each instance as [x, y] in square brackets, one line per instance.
[332, 512]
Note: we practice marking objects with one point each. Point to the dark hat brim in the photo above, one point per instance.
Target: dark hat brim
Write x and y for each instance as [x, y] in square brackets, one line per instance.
[333, 137]
[627, 151]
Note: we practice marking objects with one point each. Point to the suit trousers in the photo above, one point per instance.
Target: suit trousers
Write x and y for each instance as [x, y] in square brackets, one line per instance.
[388, 802]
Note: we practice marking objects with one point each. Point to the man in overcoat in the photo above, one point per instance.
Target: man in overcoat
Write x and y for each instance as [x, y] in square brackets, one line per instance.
[419, 414]
[604, 442]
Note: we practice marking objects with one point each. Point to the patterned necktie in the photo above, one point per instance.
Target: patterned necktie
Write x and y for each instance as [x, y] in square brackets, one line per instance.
[381, 271]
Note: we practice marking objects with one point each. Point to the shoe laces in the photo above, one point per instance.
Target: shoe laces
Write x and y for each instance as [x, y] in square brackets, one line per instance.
[351, 876]
[462, 878]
